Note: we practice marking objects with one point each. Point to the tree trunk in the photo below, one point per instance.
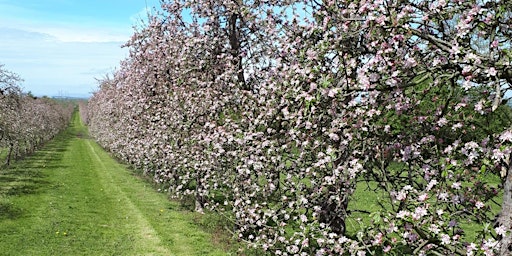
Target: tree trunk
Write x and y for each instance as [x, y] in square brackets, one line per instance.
[235, 44]
[505, 217]
[199, 198]
[9, 155]
[334, 213]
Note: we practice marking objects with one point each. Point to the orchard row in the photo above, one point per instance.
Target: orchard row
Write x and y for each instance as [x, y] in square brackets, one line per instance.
[272, 113]
[26, 122]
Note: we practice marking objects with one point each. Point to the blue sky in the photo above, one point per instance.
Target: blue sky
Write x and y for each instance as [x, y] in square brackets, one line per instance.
[59, 47]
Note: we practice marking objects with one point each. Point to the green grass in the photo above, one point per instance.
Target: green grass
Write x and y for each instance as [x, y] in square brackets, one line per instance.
[367, 197]
[3, 155]
[72, 198]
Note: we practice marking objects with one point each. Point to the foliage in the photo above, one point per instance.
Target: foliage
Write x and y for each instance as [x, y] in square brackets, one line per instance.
[269, 112]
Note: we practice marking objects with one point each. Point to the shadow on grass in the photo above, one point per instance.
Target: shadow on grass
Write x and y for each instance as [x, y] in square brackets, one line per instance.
[30, 175]
[9, 211]
[16, 181]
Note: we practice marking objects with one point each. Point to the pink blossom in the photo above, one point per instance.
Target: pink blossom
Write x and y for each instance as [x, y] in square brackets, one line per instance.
[456, 126]
[381, 19]
[402, 214]
[495, 44]
[506, 136]
[378, 239]
[443, 196]
[434, 228]
[471, 248]
[410, 62]
[431, 184]
[419, 212]
[442, 122]
[445, 239]
[492, 71]
[480, 106]
[501, 230]
[401, 195]
[334, 136]
[455, 50]
[456, 185]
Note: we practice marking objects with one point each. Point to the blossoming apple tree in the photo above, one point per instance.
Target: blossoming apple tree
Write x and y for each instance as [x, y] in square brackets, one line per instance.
[27, 122]
[273, 113]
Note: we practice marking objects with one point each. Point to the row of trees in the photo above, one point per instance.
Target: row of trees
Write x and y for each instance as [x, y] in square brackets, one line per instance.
[26, 121]
[271, 112]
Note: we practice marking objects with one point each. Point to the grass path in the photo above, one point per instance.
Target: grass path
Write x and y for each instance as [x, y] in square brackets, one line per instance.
[72, 198]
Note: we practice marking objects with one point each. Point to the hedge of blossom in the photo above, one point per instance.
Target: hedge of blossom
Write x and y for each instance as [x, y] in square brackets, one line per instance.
[272, 112]
[27, 122]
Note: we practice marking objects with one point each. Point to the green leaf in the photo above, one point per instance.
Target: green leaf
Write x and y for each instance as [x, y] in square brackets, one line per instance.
[375, 217]
[482, 169]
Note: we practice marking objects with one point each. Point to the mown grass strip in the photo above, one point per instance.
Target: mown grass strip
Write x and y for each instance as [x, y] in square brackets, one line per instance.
[72, 198]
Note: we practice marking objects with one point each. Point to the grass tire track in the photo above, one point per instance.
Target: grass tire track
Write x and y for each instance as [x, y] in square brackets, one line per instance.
[72, 198]
[149, 238]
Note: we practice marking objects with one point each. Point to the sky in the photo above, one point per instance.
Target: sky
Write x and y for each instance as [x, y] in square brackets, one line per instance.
[60, 47]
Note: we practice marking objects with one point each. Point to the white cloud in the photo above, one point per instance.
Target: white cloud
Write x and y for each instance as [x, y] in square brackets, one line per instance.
[86, 35]
[62, 54]
[64, 28]
[51, 66]
[66, 32]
